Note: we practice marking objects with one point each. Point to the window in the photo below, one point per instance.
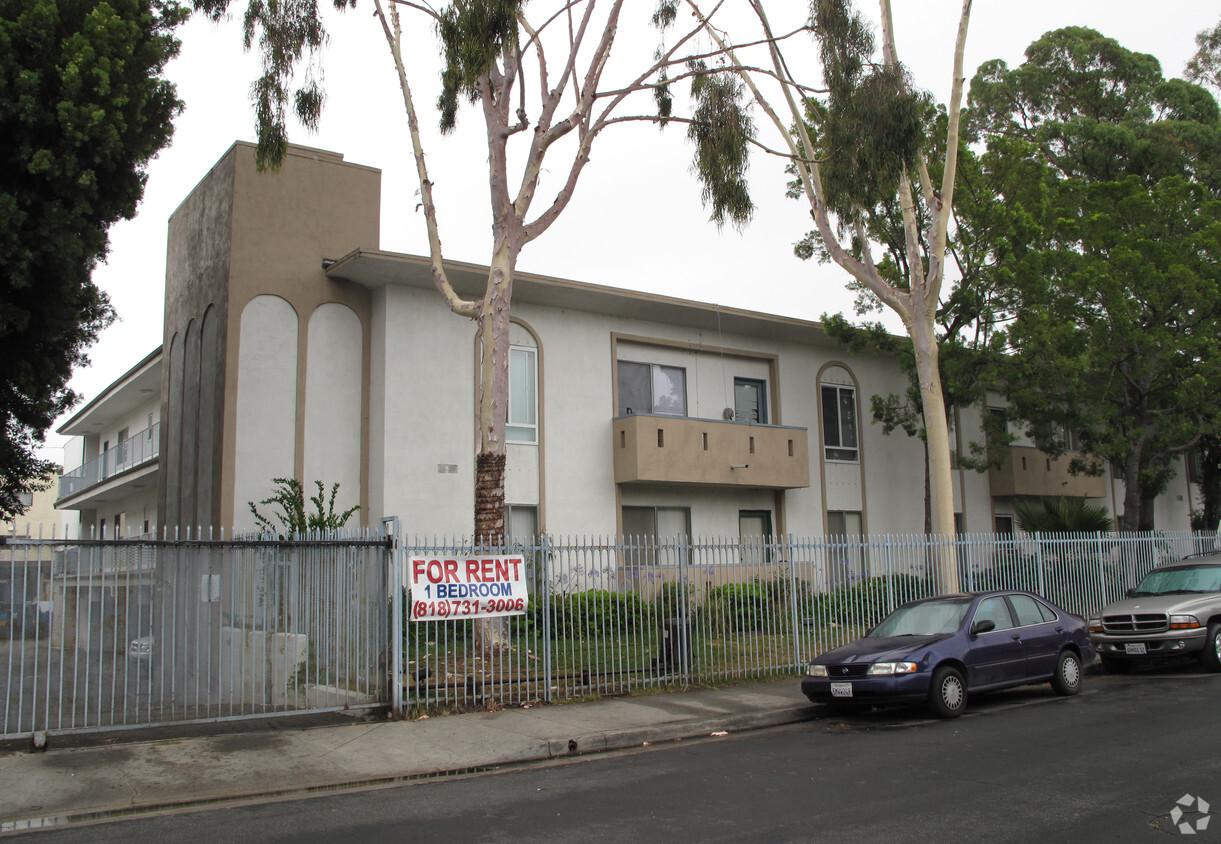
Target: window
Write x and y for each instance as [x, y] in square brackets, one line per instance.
[25, 499]
[522, 424]
[652, 388]
[1029, 611]
[754, 536]
[522, 522]
[750, 400]
[846, 560]
[657, 535]
[1003, 525]
[995, 610]
[839, 423]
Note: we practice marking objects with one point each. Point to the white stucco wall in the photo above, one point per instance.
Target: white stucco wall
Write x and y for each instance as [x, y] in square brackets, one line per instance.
[266, 402]
[333, 383]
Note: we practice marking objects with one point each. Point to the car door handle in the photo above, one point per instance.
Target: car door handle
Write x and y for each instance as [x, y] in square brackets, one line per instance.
[1017, 637]
[1059, 629]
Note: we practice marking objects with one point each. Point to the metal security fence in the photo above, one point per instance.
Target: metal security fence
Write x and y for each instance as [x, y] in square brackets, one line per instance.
[617, 616]
[99, 635]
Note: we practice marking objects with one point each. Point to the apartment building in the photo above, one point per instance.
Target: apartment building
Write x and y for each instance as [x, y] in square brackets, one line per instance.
[294, 346]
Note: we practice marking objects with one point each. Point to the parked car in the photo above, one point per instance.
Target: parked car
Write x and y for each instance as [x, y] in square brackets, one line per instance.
[940, 650]
[141, 647]
[1174, 611]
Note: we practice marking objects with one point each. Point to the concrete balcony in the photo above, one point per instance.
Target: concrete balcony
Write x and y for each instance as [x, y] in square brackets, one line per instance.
[680, 450]
[1028, 471]
[128, 467]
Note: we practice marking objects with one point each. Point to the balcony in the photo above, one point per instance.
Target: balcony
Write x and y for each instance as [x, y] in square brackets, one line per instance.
[112, 469]
[1028, 471]
[681, 450]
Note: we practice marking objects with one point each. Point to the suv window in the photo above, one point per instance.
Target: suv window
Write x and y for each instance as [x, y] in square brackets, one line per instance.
[1181, 579]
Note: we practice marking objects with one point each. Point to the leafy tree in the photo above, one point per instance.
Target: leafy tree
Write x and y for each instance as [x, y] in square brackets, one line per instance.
[83, 108]
[293, 517]
[1114, 338]
[857, 145]
[540, 114]
[1204, 67]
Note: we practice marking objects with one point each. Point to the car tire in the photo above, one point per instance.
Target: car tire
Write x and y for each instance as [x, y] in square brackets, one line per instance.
[1111, 665]
[1211, 656]
[947, 694]
[1067, 679]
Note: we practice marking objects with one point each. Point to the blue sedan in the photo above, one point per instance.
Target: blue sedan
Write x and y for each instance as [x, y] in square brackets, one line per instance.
[939, 649]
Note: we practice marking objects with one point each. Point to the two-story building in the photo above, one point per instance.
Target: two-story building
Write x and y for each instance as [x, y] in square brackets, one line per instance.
[294, 346]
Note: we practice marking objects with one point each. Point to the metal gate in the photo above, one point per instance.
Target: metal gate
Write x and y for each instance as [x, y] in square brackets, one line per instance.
[98, 635]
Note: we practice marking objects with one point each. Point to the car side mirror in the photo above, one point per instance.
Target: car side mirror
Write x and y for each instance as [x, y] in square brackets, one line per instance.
[983, 626]
[1131, 593]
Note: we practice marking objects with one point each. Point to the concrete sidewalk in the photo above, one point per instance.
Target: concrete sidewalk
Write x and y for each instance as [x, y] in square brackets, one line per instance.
[147, 775]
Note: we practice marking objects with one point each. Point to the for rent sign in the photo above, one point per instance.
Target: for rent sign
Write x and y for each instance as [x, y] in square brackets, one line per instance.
[456, 589]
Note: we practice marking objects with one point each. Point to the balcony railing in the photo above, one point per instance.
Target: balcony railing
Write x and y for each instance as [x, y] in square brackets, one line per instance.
[679, 449]
[128, 454]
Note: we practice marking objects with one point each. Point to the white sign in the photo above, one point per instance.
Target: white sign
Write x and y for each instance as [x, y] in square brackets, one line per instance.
[456, 589]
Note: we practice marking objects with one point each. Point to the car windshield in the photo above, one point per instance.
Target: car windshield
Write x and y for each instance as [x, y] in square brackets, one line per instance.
[930, 618]
[1181, 580]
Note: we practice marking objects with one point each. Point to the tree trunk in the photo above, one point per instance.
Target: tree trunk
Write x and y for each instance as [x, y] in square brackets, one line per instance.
[937, 445]
[1130, 521]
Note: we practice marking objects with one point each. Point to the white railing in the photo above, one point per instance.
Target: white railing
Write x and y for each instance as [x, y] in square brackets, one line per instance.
[128, 454]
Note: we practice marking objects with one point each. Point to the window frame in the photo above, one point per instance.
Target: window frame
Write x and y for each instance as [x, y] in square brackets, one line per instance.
[761, 404]
[648, 543]
[652, 369]
[528, 428]
[763, 542]
[837, 451]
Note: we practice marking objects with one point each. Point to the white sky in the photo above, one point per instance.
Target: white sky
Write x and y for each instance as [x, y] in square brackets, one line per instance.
[636, 220]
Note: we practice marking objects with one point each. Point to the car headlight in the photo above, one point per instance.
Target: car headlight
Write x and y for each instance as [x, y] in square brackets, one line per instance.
[892, 668]
[1184, 622]
[817, 670]
[1094, 625]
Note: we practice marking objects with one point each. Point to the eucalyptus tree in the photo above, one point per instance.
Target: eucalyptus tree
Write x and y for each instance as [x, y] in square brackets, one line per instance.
[857, 140]
[1204, 67]
[537, 81]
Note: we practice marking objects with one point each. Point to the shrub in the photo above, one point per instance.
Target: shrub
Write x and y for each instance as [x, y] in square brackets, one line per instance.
[739, 607]
[596, 612]
[868, 602]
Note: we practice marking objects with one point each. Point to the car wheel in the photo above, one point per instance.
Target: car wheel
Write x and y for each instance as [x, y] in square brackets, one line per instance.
[947, 696]
[1111, 665]
[1067, 679]
[1211, 657]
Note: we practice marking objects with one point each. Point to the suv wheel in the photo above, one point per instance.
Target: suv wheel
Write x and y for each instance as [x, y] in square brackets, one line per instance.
[1067, 679]
[1211, 657]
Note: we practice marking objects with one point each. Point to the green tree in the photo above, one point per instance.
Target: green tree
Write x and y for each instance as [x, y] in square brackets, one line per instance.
[1204, 67]
[1114, 340]
[83, 108]
[293, 517]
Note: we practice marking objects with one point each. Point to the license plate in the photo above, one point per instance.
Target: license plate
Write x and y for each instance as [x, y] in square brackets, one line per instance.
[841, 690]
[1135, 649]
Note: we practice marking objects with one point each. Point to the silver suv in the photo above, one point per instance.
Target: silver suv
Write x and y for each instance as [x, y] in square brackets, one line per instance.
[1174, 611]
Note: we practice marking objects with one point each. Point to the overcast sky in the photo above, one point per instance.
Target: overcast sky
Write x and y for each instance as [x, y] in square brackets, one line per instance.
[636, 220]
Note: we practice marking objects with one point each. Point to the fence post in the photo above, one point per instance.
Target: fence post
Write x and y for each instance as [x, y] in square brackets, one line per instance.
[684, 643]
[1102, 574]
[890, 576]
[544, 597]
[1038, 562]
[393, 528]
[796, 621]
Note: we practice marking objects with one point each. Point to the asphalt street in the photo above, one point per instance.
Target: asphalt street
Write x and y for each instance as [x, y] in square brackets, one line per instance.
[1023, 765]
